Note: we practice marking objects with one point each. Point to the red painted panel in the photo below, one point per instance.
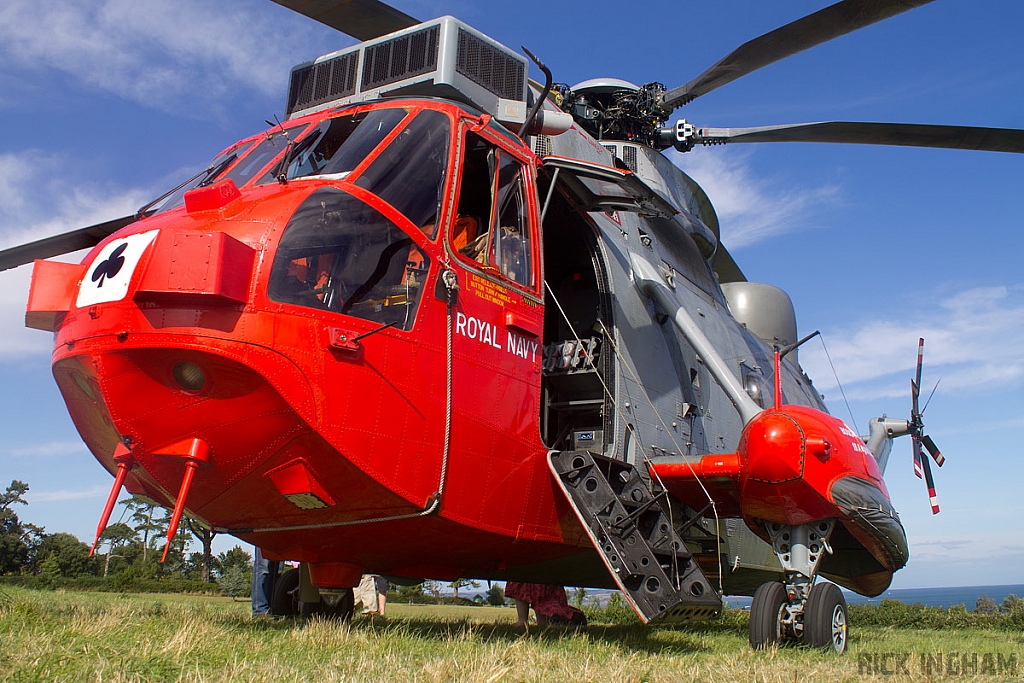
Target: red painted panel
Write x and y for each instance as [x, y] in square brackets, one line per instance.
[196, 266]
[53, 291]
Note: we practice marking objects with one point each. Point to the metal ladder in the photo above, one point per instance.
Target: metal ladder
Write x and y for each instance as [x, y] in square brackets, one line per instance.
[634, 536]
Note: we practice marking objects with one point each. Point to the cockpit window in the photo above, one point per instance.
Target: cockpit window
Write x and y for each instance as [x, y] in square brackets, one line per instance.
[252, 162]
[340, 254]
[337, 146]
[208, 175]
[409, 174]
[272, 145]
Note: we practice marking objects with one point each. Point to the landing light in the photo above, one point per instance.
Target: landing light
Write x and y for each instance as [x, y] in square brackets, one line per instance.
[189, 376]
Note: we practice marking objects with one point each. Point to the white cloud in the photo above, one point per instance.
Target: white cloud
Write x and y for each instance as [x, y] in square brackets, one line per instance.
[53, 496]
[750, 209]
[50, 449]
[37, 200]
[158, 52]
[971, 341]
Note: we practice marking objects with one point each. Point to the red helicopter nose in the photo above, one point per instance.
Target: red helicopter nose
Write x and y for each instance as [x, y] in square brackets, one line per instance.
[774, 448]
[792, 457]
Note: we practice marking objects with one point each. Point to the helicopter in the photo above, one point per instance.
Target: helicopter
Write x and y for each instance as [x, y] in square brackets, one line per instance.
[460, 383]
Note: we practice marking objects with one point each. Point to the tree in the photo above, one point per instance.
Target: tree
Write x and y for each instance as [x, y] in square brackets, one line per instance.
[462, 583]
[205, 536]
[985, 605]
[65, 552]
[411, 593]
[434, 588]
[17, 539]
[143, 512]
[236, 557]
[117, 537]
[236, 581]
[496, 595]
[175, 562]
[1010, 602]
[578, 596]
[235, 572]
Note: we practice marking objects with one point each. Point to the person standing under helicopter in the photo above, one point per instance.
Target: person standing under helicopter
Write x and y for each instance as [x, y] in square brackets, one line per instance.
[547, 602]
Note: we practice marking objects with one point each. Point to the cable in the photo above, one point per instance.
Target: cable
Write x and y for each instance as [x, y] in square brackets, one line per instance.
[645, 459]
[838, 383]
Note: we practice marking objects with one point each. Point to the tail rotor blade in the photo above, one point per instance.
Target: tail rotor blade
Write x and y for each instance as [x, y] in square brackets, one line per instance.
[930, 483]
[918, 458]
[933, 449]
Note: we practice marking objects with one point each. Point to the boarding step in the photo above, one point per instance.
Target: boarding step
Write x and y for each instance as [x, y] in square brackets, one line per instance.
[634, 536]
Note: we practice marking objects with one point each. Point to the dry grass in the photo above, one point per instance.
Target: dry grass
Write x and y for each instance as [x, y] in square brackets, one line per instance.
[103, 637]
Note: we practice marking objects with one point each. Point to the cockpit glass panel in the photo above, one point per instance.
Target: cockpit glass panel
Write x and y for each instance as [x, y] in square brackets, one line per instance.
[212, 173]
[339, 144]
[272, 145]
[339, 254]
[409, 173]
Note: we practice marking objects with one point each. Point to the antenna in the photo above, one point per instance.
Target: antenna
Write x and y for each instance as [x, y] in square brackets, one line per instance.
[780, 353]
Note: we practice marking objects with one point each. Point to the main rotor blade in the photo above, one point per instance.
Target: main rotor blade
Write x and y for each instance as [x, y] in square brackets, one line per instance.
[814, 29]
[361, 19]
[856, 132]
[65, 243]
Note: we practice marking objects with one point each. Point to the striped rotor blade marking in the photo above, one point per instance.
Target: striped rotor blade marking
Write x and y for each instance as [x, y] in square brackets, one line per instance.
[920, 360]
[917, 457]
[932, 498]
[933, 449]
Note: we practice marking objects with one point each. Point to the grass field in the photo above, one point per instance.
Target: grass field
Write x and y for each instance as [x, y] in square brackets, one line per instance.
[55, 636]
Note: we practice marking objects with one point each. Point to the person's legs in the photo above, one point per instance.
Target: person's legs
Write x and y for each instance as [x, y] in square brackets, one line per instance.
[260, 584]
[522, 613]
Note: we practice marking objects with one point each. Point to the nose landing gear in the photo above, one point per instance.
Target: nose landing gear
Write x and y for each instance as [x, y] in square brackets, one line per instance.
[797, 609]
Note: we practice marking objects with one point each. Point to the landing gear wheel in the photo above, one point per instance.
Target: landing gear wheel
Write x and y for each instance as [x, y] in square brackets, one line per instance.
[766, 615]
[343, 610]
[825, 626]
[285, 601]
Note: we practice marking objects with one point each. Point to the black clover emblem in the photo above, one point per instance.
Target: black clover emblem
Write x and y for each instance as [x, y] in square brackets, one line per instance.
[110, 267]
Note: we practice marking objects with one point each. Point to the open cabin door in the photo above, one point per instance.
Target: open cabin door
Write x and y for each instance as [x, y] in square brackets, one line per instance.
[611, 497]
[579, 365]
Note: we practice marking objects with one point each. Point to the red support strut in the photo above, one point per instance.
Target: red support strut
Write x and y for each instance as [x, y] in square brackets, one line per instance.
[124, 460]
[196, 452]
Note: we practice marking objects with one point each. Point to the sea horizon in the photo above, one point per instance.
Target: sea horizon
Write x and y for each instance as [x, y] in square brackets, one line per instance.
[944, 596]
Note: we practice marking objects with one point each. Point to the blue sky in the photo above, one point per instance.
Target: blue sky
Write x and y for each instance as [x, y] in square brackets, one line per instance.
[107, 103]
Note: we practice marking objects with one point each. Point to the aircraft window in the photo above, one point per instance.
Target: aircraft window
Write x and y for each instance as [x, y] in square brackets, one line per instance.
[757, 386]
[511, 238]
[410, 173]
[272, 145]
[338, 145]
[212, 173]
[339, 254]
[493, 185]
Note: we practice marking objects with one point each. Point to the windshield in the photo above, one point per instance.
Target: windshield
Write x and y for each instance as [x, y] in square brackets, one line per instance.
[339, 254]
[272, 144]
[337, 146]
[409, 174]
[176, 197]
